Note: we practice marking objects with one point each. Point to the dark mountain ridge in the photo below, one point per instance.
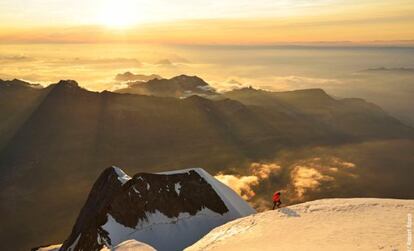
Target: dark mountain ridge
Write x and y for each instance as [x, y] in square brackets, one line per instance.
[16, 83]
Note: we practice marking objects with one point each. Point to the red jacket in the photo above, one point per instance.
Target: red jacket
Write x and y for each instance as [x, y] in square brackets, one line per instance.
[276, 197]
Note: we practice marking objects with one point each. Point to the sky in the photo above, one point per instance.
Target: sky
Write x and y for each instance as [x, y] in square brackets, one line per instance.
[350, 48]
[206, 22]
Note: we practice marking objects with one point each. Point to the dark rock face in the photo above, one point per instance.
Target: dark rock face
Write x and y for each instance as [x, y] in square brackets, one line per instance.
[93, 213]
[128, 204]
[150, 192]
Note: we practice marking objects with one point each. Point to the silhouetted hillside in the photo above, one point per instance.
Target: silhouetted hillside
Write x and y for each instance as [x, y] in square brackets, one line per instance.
[18, 99]
[351, 117]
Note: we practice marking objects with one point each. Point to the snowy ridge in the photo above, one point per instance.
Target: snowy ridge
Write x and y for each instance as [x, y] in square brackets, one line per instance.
[329, 224]
[122, 176]
[168, 211]
[176, 233]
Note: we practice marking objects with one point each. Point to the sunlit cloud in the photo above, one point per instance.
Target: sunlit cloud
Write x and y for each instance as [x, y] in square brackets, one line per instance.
[244, 185]
[307, 178]
[309, 175]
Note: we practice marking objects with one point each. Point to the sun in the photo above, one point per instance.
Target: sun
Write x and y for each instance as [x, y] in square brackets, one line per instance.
[118, 14]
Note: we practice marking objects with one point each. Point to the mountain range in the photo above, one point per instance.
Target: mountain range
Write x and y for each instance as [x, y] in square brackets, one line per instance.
[54, 141]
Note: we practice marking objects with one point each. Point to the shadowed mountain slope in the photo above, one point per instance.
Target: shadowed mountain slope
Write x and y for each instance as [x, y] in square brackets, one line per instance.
[351, 117]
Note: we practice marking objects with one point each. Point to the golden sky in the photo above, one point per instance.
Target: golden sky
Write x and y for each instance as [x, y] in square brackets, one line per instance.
[206, 21]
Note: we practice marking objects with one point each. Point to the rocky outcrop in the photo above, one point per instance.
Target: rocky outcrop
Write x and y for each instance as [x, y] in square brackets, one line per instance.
[118, 203]
[87, 231]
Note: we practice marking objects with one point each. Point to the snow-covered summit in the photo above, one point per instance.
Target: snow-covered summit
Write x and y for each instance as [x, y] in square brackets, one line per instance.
[168, 211]
[329, 224]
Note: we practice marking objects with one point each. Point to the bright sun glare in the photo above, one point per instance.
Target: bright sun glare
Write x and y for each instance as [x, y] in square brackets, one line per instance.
[118, 14]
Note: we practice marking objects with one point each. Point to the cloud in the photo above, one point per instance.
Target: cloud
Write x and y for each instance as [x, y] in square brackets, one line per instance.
[311, 174]
[399, 70]
[294, 82]
[129, 76]
[164, 62]
[118, 86]
[275, 83]
[231, 83]
[380, 169]
[244, 185]
[307, 178]
[14, 58]
[263, 170]
[110, 62]
[298, 177]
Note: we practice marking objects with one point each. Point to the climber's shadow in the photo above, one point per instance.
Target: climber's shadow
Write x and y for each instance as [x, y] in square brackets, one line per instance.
[289, 212]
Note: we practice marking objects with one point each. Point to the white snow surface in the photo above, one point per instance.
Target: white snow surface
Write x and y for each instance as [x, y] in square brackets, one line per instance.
[122, 177]
[164, 233]
[328, 224]
[50, 248]
[177, 188]
[130, 245]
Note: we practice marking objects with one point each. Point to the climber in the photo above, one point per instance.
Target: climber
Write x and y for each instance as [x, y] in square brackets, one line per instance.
[276, 200]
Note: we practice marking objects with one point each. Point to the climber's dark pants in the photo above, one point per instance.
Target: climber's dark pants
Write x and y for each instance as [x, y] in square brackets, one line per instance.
[276, 204]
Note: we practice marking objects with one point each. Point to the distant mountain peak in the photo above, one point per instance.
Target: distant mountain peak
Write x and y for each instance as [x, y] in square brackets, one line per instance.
[247, 89]
[68, 83]
[311, 90]
[181, 86]
[18, 83]
[187, 77]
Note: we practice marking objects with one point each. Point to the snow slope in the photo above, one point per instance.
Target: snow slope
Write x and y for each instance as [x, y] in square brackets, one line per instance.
[329, 224]
[49, 248]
